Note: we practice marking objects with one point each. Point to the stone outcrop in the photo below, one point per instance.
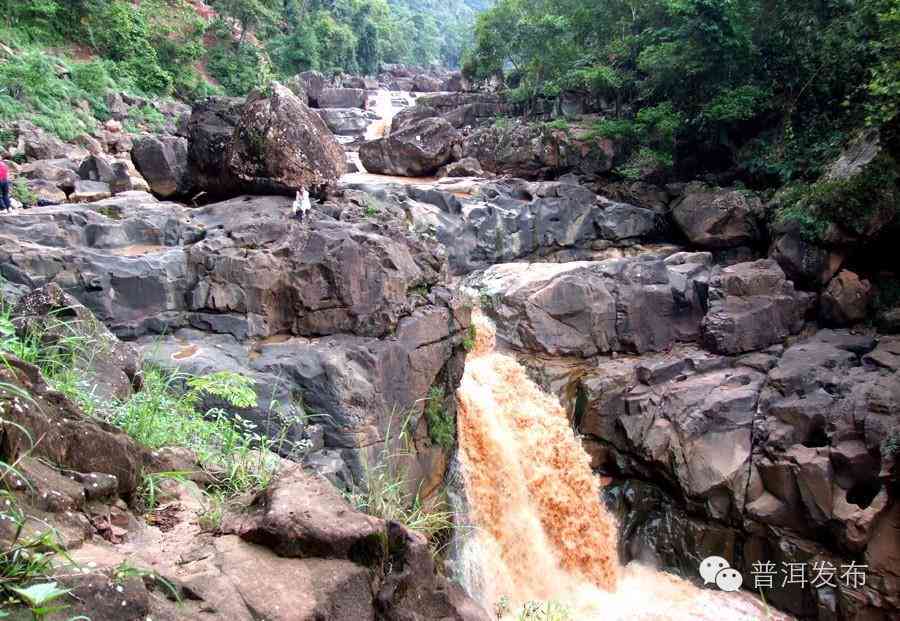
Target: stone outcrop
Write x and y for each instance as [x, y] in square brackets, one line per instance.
[360, 323]
[719, 218]
[481, 223]
[418, 150]
[586, 308]
[540, 152]
[68, 438]
[280, 146]
[751, 306]
[773, 456]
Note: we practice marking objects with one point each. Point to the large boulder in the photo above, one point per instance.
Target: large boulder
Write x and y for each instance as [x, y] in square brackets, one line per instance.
[293, 517]
[412, 115]
[719, 218]
[210, 131]
[752, 306]
[418, 150]
[163, 162]
[280, 145]
[846, 299]
[588, 308]
[345, 121]
[342, 98]
[538, 151]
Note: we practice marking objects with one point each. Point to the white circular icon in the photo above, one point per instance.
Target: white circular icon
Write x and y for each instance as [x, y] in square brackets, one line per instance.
[710, 567]
[729, 580]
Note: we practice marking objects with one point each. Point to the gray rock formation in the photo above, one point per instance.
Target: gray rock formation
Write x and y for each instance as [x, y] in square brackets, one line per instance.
[586, 308]
[280, 146]
[719, 218]
[751, 306]
[417, 150]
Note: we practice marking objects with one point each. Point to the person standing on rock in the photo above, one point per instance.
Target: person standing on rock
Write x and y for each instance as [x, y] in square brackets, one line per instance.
[5, 203]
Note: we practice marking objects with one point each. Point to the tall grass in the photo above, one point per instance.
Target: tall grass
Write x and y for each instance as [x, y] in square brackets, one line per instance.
[166, 412]
[388, 492]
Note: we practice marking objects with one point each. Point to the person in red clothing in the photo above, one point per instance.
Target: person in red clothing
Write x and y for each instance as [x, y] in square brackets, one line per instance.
[5, 204]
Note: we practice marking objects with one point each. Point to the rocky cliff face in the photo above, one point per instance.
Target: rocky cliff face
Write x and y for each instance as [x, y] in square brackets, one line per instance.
[349, 316]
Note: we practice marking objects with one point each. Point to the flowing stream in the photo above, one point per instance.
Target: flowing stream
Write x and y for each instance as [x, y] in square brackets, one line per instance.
[539, 530]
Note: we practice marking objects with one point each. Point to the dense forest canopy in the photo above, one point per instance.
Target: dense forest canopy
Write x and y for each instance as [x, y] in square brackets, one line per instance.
[163, 47]
[773, 86]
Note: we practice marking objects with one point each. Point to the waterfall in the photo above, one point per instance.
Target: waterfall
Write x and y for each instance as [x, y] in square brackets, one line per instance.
[539, 532]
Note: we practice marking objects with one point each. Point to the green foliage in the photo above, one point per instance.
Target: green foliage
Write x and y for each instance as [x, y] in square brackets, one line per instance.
[471, 335]
[387, 492]
[544, 611]
[851, 203]
[441, 424]
[767, 87]
[22, 193]
[238, 70]
[145, 118]
[39, 597]
[890, 446]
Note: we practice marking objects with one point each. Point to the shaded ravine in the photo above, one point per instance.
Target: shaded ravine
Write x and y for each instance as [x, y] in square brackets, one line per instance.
[540, 531]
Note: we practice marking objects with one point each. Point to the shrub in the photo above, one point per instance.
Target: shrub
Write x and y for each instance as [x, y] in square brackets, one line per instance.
[91, 77]
[441, 425]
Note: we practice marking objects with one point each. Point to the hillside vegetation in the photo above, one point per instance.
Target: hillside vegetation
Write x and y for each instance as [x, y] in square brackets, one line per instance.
[60, 57]
[769, 89]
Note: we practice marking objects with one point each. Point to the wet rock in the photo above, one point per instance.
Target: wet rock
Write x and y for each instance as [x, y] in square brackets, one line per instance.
[418, 150]
[163, 162]
[413, 589]
[751, 306]
[280, 146]
[342, 98]
[846, 299]
[719, 218]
